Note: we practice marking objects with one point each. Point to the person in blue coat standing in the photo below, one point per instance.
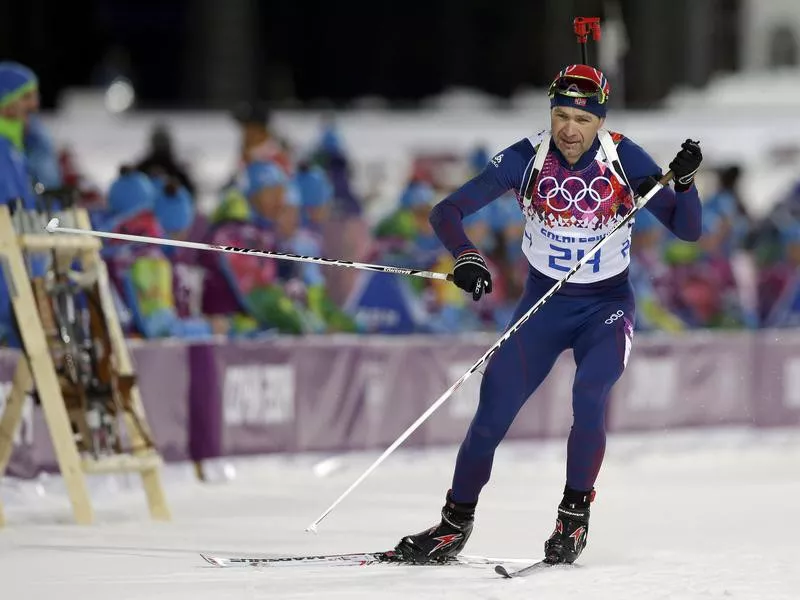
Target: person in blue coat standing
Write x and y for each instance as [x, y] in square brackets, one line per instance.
[15, 183]
[14, 179]
[38, 146]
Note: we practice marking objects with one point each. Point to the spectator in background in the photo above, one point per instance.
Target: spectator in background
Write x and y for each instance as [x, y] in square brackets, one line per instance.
[90, 196]
[346, 233]
[649, 276]
[478, 159]
[142, 273]
[406, 235]
[258, 142]
[779, 284]
[785, 308]
[14, 180]
[305, 283]
[250, 289]
[331, 155]
[444, 311]
[14, 177]
[714, 282]
[316, 193]
[728, 221]
[773, 252]
[308, 200]
[727, 234]
[174, 208]
[383, 303]
[161, 160]
[43, 164]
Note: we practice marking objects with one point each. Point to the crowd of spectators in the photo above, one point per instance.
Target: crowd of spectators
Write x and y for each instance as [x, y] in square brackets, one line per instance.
[742, 274]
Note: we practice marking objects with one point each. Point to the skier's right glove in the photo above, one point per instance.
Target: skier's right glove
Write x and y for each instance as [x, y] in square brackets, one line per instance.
[471, 275]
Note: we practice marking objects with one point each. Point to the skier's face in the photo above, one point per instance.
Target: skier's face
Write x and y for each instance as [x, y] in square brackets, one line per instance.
[573, 130]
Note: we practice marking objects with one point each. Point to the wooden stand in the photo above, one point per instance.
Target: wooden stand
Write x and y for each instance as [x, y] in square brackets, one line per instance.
[36, 371]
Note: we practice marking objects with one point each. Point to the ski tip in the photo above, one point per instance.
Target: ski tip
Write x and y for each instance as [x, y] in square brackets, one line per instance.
[501, 570]
[212, 560]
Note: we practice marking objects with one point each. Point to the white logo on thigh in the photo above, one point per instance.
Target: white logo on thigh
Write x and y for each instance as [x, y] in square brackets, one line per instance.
[614, 316]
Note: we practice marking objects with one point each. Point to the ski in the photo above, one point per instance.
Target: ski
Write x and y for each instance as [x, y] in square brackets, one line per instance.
[355, 559]
[359, 559]
[529, 570]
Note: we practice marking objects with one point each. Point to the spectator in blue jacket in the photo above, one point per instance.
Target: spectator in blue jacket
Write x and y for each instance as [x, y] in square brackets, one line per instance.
[14, 179]
[38, 146]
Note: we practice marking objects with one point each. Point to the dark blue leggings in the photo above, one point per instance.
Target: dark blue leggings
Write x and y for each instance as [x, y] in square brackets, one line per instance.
[598, 328]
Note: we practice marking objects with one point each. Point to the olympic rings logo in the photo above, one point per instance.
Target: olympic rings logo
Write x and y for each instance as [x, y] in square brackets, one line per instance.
[614, 316]
[586, 198]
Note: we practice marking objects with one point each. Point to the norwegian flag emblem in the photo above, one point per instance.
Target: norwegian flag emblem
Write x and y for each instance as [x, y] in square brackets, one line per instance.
[583, 78]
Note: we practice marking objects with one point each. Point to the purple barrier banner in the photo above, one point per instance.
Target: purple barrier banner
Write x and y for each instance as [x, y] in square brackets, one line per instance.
[307, 394]
[339, 393]
[254, 386]
[358, 395]
[346, 393]
[776, 360]
[701, 379]
[162, 371]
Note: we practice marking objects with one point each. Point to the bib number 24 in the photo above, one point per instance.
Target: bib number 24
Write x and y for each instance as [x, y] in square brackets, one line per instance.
[561, 259]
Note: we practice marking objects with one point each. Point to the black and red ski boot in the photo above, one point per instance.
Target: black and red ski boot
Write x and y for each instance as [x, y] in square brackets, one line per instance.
[443, 541]
[572, 528]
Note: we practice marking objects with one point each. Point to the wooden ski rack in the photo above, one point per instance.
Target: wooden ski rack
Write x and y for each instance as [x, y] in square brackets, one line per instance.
[36, 372]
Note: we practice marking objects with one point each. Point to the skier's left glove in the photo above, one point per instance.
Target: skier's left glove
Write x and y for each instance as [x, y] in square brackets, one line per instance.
[471, 274]
[686, 164]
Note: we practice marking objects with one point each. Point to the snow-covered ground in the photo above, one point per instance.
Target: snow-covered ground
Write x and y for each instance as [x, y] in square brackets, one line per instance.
[700, 514]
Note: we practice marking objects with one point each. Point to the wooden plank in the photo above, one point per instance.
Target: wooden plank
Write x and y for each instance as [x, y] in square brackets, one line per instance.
[122, 463]
[44, 242]
[43, 370]
[13, 411]
[151, 477]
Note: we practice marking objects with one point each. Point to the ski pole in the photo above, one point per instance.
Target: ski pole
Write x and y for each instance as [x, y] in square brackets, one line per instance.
[513, 329]
[53, 226]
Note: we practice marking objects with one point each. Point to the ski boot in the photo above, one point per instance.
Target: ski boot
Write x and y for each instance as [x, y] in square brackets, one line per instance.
[441, 542]
[572, 528]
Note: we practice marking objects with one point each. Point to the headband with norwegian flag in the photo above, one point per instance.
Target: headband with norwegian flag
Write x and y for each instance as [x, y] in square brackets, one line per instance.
[581, 81]
[580, 86]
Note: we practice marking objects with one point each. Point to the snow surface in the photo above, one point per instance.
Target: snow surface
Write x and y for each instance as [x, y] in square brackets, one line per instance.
[699, 514]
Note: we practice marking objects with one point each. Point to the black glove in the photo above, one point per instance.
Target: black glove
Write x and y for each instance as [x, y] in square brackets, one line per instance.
[471, 275]
[686, 164]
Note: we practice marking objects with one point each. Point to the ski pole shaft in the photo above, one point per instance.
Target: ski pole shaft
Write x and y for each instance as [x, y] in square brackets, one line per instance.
[54, 227]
